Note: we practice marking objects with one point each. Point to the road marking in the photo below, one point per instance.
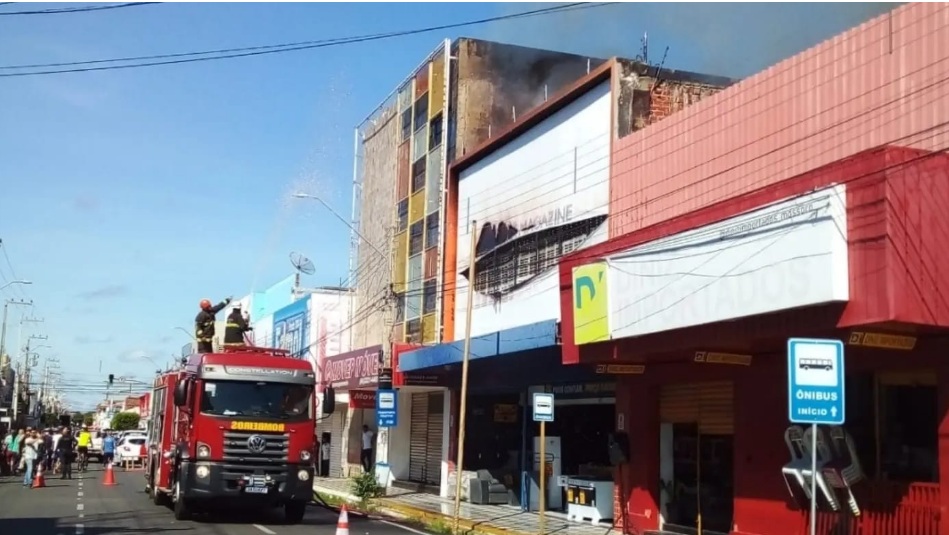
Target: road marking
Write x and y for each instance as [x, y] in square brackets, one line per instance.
[80, 528]
[400, 526]
[265, 530]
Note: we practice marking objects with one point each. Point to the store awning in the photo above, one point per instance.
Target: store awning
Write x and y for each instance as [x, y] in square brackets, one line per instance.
[496, 344]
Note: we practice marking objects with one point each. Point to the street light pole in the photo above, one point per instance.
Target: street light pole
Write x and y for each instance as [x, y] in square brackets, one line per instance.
[341, 218]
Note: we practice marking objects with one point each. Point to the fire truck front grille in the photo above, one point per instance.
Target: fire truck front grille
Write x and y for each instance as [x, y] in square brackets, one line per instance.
[237, 450]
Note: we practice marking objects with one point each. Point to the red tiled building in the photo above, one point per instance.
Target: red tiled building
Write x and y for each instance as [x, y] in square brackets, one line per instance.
[806, 201]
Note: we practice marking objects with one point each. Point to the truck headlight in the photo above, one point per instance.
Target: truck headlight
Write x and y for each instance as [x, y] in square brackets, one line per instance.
[203, 471]
[204, 451]
[303, 475]
[304, 455]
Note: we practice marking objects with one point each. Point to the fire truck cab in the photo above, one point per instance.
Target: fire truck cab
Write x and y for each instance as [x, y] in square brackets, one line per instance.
[235, 428]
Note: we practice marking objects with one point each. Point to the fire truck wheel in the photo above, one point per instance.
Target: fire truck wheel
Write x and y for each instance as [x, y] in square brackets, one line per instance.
[294, 512]
[158, 497]
[182, 511]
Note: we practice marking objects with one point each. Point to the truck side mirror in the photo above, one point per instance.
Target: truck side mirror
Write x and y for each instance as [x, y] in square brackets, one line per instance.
[329, 400]
[181, 393]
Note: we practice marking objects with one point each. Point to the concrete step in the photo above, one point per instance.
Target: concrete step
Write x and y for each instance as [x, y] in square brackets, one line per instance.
[416, 487]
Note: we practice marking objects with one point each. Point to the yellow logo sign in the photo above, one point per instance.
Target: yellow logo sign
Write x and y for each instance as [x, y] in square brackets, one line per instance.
[257, 426]
[591, 322]
[883, 341]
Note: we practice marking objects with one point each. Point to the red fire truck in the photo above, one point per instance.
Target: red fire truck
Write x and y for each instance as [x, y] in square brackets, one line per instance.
[235, 428]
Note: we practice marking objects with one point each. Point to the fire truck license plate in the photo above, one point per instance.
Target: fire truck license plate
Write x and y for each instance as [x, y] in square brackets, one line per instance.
[256, 490]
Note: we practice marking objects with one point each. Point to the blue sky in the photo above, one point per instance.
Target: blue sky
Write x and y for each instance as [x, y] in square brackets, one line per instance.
[127, 196]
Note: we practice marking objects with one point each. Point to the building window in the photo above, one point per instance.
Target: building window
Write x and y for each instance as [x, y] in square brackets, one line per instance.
[413, 331]
[893, 419]
[407, 124]
[509, 260]
[418, 175]
[435, 132]
[415, 238]
[421, 111]
[403, 214]
[452, 137]
[429, 297]
[399, 308]
[431, 230]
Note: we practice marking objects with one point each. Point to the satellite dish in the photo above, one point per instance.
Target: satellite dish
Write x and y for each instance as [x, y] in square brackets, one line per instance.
[302, 264]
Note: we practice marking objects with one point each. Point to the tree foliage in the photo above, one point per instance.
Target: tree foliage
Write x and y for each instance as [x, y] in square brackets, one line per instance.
[125, 421]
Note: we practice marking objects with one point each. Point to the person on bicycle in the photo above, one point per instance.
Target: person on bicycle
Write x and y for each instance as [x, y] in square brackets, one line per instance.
[83, 441]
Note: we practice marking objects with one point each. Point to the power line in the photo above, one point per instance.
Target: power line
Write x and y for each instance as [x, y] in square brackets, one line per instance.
[82, 9]
[231, 53]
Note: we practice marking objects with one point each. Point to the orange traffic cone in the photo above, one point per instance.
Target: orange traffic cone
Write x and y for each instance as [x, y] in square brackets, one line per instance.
[39, 481]
[109, 479]
[342, 526]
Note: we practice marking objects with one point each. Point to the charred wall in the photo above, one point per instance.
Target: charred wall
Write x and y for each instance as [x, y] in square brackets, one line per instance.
[373, 273]
[645, 94]
[495, 83]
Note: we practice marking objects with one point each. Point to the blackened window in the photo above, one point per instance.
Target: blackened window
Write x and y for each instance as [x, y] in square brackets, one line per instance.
[451, 138]
[429, 297]
[415, 238]
[413, 331]
[421, 111]
[509, 260]
[407, 124]
[431, 230]
[399, 308]
[403, 214]
[418, 175]
[435, 132]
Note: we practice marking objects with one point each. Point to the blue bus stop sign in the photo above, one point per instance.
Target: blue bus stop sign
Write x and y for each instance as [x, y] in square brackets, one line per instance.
[816, 381]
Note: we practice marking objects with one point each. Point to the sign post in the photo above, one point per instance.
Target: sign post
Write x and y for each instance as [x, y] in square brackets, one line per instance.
[387, 409]
[816, 394]
[543, 413]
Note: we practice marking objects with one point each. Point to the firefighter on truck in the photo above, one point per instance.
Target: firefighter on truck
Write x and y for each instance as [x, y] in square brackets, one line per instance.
[235, 428]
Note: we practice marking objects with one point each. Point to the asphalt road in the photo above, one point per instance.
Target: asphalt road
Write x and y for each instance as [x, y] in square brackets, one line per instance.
[86, 507]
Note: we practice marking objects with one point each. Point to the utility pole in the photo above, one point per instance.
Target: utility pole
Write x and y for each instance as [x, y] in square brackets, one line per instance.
[3, 329]
[22, 377]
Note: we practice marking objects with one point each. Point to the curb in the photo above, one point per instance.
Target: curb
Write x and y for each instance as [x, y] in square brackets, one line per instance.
[406, 513]
[467, 525]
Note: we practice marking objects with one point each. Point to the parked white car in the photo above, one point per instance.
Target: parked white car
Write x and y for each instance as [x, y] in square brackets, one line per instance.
[129, 446]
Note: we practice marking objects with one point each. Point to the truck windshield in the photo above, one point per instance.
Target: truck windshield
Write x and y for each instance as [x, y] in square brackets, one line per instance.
[256, 399]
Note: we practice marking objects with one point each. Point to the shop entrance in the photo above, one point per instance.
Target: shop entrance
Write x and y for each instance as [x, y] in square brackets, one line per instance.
[696, 461]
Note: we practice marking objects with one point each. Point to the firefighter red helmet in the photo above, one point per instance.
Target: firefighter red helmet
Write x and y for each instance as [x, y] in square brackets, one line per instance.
[205, 304]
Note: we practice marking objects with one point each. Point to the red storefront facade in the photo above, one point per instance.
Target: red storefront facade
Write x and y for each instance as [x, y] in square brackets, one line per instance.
[779, 138]
[894, 253]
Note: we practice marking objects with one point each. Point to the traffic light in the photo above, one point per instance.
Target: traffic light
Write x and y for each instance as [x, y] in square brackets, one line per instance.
[111, 378]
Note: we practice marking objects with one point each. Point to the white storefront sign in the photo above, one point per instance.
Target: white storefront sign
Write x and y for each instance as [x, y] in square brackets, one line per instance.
[787, 255]
[528, 199]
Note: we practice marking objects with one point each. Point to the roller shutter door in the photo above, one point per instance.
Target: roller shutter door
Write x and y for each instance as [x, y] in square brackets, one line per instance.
[418, 438]
[337, 428]
[711, 405]
[433, 455]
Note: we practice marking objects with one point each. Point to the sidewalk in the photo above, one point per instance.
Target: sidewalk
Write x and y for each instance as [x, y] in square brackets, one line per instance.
[488, 519]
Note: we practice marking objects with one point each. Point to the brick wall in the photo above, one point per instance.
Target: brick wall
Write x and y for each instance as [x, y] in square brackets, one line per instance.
[644, 96]
[373, 273]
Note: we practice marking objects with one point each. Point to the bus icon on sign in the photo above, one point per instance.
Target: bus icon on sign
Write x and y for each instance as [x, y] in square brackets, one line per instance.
[815, 364]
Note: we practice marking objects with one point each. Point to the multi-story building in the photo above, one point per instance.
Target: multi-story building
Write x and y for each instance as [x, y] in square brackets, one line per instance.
[463, 93]
[471, 105]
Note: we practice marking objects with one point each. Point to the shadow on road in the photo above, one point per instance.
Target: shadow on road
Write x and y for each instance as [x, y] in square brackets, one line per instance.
[44, 526]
